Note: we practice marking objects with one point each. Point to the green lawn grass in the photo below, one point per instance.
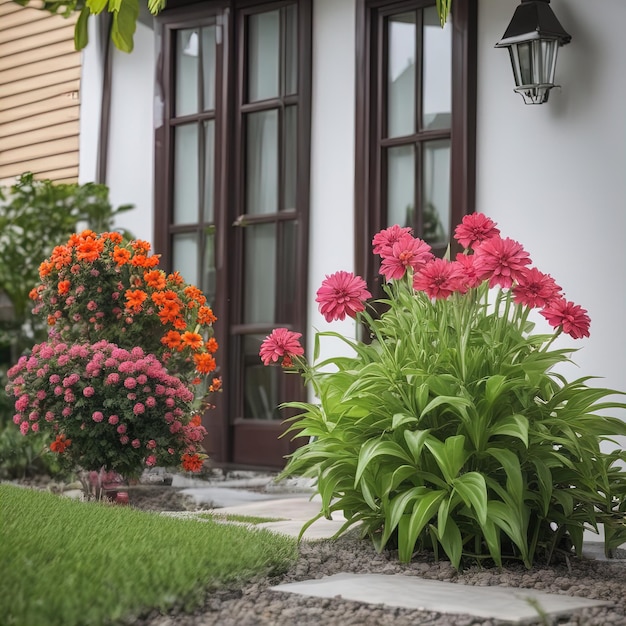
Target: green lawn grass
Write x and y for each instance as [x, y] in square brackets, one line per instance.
[68, 563]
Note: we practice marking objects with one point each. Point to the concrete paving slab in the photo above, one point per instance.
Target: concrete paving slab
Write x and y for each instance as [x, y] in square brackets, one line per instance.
[218, 497]
[508, 604]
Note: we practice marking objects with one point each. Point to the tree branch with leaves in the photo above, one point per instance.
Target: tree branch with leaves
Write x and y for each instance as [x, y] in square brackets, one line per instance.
[124, 14]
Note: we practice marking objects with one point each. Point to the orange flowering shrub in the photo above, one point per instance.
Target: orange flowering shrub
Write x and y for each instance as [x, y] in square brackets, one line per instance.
[100, 287]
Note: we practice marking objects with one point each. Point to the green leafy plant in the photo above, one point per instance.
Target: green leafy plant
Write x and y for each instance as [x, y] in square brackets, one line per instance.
[451, 430]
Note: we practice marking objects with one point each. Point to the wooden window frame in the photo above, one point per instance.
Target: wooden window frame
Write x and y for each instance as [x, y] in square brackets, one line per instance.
[369, 111]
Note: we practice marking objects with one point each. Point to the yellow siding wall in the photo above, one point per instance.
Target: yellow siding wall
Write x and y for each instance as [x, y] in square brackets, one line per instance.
[39, 94]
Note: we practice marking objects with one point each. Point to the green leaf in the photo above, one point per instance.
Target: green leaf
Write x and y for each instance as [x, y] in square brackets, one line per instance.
[473, 490]
[124, 24]
[81, 33]
[96, 6]
[508, 519]
[410, 526]
[375, 448]
[452, 543]
[513, 425]
[450, 455]
[493, 387]
[400, 419]
[415, 441]
[511, 465]
[456, 402]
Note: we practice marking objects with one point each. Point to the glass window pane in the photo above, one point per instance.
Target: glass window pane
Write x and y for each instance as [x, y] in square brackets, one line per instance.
[288, 270]
[436, 191]
[209, 171]
[207, 284]
[262, 162]
[185, 256]
[401, 186]
[291, 156]
[208, 67]
[261, 383]
[263, 55]
[401, 31]
[187, 47]
[186, 182]
[437, 72]
[260, 274]
[291, 49]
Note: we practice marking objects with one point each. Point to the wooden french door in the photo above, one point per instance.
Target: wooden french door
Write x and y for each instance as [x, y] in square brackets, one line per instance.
[232, 165]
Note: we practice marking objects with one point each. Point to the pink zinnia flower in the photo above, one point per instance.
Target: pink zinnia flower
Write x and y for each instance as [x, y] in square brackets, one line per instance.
[438, 279]
[384, 240]
[139, 408]
[501, 261]
[474, 229]
[406, 252]
[88, 392]
[535, 289]
[124, 440]
[151, 445]
[341, 294]
[151, 460]
[279, 344]
[466, 271]
[97, 416]
[135, 443]
[113, 419]
[572, 318]
[121, 429]
[24, 426]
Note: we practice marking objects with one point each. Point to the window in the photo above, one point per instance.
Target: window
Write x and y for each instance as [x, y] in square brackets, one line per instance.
[232, 197]
[415, 122]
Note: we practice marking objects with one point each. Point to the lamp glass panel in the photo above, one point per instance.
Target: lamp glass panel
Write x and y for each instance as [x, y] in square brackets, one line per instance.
[525, 57]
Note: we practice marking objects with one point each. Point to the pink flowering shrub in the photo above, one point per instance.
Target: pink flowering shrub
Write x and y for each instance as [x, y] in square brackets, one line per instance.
[451, 430]
[106, 407]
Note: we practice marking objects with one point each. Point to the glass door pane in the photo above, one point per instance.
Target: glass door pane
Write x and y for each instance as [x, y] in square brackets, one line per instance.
[262, 162]
[263, 56]
[186, 180]
[401, 76]
[437, 72]
[185, 256]
[401, 186]
[187, 50]
[260, 274]
[436, 191]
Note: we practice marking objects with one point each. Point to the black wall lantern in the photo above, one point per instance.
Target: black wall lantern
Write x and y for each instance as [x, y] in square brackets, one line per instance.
[533, 38]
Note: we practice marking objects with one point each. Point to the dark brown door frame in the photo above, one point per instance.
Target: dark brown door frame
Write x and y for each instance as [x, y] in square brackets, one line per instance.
[220, 420]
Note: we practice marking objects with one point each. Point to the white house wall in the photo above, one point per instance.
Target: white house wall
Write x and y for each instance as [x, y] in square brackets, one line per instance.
[552, 175]
[130, 161]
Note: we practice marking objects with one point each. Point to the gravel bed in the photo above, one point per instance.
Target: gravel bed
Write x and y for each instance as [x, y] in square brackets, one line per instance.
[255, 604]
